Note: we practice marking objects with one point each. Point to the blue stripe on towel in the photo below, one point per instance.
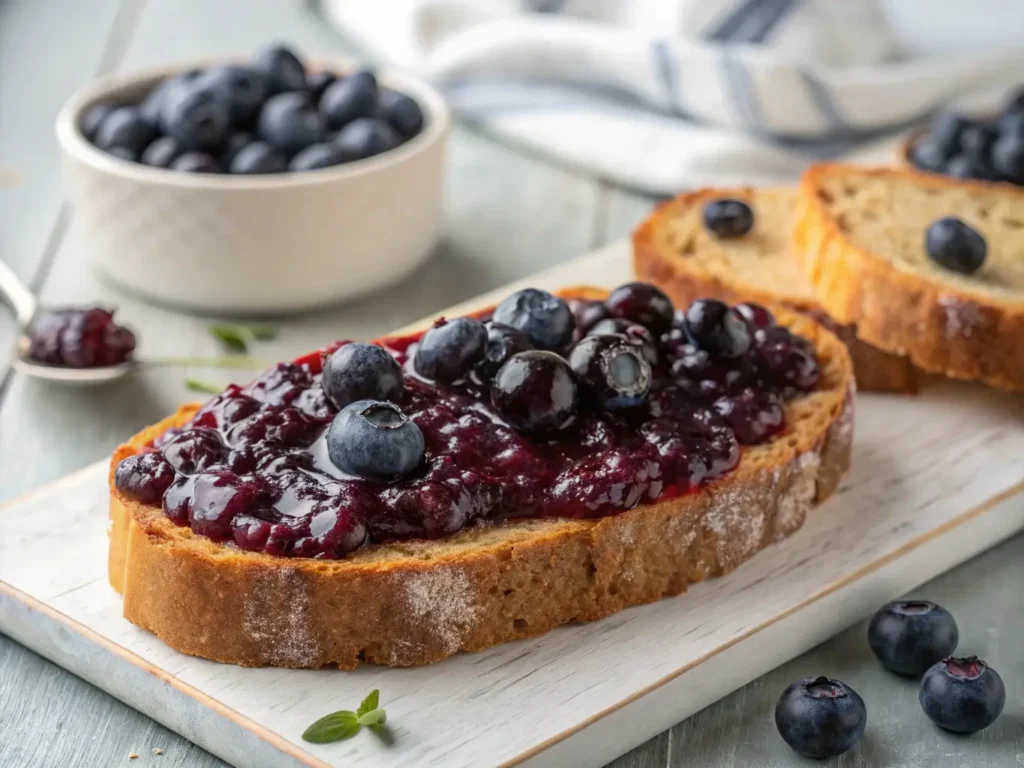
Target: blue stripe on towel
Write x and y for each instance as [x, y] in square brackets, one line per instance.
[743, 94]
[731, 24]
[766, 20]
[826, 104]
[665, 69]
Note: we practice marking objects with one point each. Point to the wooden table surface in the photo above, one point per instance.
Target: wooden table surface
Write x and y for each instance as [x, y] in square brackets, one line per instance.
[507, 215]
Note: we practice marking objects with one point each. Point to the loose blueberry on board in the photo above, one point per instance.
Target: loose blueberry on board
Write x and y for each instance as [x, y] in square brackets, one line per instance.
[448, 351]
[125, 127]
[757, 317]
[195, 162]
[282, 70]
[728, 218]
[290, 123]
[962, 694]
[611, 370]
[242, 89]
[374, 439]
[1008, 157]
[632, 331]
[144, 477]
[535, 392]
[318, 82]
[952, 244]
[258, 157]
[909, 636]
[503, 341]
[644, 304]
[93, 118]
[401, 112]
[366, 137]
[195, 117]
[323, 155]
[820, 717]
[161, 152]
[358, 371]
[545, 318]
[716, 328]
[347, 99]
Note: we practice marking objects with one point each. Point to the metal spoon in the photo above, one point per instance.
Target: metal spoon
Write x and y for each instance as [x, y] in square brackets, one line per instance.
[26, 308]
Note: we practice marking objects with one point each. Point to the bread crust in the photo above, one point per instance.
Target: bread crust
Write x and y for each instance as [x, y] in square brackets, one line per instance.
[685, 281]
[941, 328]
[417, 602]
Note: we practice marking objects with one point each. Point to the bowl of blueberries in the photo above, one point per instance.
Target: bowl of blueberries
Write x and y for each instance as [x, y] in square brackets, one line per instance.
[266, 185]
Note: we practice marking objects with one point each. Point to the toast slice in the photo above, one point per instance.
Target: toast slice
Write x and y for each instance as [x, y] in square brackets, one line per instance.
[416, 602]
[674, 250]
[860, 237]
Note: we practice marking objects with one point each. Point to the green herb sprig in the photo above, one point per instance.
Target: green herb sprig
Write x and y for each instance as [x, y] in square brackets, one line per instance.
[237, 338]
[345, 724]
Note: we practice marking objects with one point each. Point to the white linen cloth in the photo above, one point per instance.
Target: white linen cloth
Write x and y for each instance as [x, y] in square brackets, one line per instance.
[659, 95]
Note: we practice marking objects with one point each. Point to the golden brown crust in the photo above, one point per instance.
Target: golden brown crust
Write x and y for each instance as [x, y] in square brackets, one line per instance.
[938, 326]
[684, 280]
[418, 602]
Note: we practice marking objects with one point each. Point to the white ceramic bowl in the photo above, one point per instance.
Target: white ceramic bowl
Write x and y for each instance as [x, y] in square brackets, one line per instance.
[255, 244]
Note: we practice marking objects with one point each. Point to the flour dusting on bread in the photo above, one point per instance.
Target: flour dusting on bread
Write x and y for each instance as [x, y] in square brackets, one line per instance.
[444, 600]
[285, 643]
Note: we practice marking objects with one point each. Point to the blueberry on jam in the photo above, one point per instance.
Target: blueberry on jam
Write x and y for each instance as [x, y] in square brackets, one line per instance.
[716, 328]
[360, 371]
[642, 303]
[757, 317]
[952, 244]
[374, 439]
[144, 477]
[611, 371]
[535, 392]
[195, 450]
[449, 349]
[632, 331]
[587, 313]
[786, 360]
[754, 416]
[545, 318]
[503, 341]
[728, 218]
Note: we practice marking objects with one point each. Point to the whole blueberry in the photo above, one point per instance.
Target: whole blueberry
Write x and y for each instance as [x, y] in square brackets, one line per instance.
[370, 438]
[315, 156]
[318, 82]
[234, 145]
[908, 636]
[195, 117]
[728, 218]
[243, 89]
[290, 123]
[161, 152]
[945, 130]
[1011, 123]
[93, 118]
[282, 70]
[635, 332]
[952, 244]
[757, 317]
[716, 328]
[449, 349]
[403, 113]
[927, 155]
[125, 127]
[545, 318]
[144, 477]
[963, 695]
[976, 141]
[360, 371]
[642, 303]
[503, 341]
[820, 717]
[152, 106]
[125, 153]
[347, 99]
[535, 392]
[611, 370]
[258, 157]
[587, 313]
[195, 162]
[366, 137]
[1008, 157]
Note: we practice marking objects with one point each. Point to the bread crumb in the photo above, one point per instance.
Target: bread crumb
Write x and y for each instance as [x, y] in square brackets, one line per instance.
[132, 756]
[962, 317]
[157, 751]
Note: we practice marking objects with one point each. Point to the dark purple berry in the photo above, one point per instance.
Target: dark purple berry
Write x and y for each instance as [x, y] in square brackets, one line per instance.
[281, 69]
[728, 218]
[161, 153]
[258, 157]
[954, 245]
[716, 328]
[195, 450]
[503, 341]
[449, 349]
[144, 477]
[348, 99]
[643, 304]
[290, 123]
[365, 137]
[632, 331]
[820, 717]
[195, 117]
[754, 416]
[909, 636]
[315, 156]
[611, 370]
[757, 317]
[962, 695]
[535, 392]
[401, 112]
[242, 89]
[125, 128]
[360, 371]
[216, 500]
[545, 318]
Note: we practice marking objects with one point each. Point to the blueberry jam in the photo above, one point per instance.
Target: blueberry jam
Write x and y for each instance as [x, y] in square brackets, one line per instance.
[590, 428]
[79, 338]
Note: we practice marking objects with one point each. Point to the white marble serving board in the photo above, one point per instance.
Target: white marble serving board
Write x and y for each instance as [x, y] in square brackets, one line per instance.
[937, 478]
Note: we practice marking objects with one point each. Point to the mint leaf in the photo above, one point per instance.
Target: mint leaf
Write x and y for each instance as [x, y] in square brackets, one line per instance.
[373, 717]
[238, 337]
[372, 701]
[333, 727]
[198, 385]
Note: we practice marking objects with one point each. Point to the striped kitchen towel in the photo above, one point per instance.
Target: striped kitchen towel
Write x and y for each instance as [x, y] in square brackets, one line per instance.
[659, 95]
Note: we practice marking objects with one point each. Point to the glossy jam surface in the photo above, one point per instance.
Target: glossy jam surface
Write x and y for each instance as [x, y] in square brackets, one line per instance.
[253, 466]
